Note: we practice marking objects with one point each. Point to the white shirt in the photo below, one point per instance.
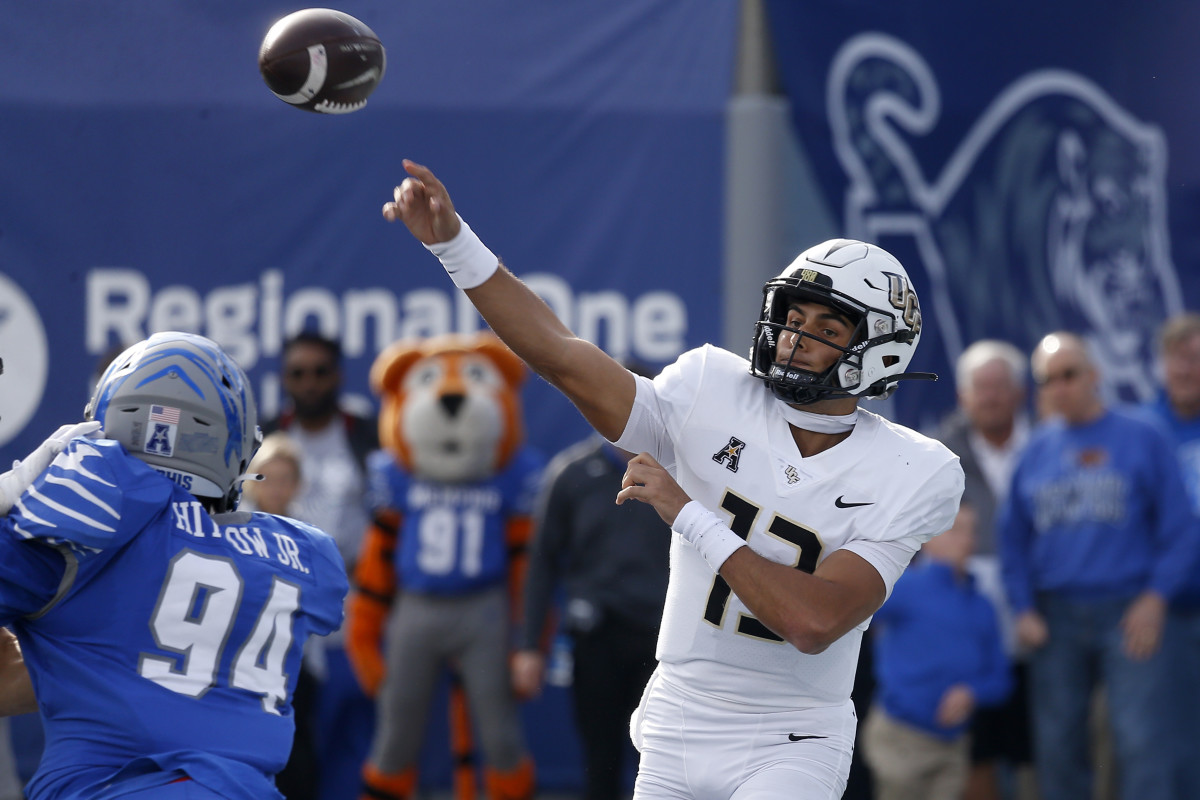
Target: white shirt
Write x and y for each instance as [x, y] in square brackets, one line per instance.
[331, 495]
[881, 493]
[997, 463]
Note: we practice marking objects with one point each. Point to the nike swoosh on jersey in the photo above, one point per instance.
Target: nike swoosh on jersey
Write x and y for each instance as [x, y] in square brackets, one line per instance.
[794, 738]
[840, 503]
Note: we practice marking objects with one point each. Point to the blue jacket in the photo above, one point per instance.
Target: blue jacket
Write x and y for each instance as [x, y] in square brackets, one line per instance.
[935, 631]
[1185, 434]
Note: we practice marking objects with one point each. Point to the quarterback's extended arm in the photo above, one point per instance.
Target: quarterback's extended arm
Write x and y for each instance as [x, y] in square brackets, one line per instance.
[599, 387]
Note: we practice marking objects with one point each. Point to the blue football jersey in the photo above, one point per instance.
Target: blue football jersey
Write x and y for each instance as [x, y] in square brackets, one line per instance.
[452, 535]
[158, 636]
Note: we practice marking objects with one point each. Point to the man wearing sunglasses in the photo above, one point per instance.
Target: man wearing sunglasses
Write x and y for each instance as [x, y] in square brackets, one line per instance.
[333, 444]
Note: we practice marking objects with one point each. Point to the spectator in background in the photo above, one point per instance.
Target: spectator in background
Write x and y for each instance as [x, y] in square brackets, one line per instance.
[278, 462]
[1095, 537]
[613, 562]
[1178, 407]
[938, 657]
[987, 432]
[333, 444]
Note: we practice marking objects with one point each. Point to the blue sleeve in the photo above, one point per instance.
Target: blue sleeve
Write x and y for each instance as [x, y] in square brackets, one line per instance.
[30, 574]
[94, 496]
[1176, 526]
[327, 604]
[994, 683]
[1014, 539]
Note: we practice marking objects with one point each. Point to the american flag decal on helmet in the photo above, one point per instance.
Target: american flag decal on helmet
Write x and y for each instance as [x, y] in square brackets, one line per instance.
[164, 414]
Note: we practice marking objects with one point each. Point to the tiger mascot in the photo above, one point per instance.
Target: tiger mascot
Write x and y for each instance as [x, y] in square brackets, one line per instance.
[442, 563]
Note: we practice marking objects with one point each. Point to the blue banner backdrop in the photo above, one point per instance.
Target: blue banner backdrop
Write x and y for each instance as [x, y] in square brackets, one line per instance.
[150, 181]
[1032, 164]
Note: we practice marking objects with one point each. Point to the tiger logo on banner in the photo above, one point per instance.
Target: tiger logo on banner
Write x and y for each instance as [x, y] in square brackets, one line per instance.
[1050, 212]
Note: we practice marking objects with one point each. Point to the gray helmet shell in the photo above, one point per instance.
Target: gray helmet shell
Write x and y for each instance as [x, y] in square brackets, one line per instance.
[178, 402]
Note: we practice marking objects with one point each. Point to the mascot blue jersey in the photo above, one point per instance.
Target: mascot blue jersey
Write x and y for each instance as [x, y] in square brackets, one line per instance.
[160, 639]
[452, 537]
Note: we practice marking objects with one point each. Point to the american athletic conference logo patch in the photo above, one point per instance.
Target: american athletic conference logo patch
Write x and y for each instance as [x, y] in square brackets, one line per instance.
[164, 424]
[730, 454]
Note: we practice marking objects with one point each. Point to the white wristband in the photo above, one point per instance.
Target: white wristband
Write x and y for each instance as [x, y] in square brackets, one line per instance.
[466, 258]
[703, 530]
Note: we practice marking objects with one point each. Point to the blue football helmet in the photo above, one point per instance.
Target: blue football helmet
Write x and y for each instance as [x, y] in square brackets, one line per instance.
[179, 403]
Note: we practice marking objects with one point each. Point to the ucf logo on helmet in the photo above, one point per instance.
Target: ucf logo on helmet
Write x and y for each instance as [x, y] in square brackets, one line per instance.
[904, 300]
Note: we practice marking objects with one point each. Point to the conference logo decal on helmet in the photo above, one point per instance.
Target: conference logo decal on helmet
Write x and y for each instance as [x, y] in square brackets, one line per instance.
[164, 423]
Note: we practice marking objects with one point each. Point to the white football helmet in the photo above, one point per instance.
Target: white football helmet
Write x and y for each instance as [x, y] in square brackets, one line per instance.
[871, 287]
[178, 402]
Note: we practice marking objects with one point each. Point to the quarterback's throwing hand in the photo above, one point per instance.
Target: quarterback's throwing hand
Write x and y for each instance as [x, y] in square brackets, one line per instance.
[646, 480]
[422, 203]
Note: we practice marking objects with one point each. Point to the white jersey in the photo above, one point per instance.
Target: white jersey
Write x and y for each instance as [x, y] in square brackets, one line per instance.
[881, 493]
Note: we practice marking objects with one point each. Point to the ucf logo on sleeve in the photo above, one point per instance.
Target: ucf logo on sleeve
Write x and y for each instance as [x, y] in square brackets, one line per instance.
[730, 454]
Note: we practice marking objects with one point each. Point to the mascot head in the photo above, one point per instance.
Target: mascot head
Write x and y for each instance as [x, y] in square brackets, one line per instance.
[450, 405]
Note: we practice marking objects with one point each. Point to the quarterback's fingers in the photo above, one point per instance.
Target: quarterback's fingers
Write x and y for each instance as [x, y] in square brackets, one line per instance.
[633, 492]
[645, 458]
[425, 175]
[638, 474]
[410, 193]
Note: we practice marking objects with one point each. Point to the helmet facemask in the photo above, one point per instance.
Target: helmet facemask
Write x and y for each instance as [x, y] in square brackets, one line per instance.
[794, 384]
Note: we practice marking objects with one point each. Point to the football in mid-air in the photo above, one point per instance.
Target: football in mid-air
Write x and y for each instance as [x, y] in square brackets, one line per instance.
[322, 60]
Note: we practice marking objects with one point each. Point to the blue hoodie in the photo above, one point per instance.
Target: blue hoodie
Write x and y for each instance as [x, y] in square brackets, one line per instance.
[1185, 434]
[935, 631]
[1097, 510]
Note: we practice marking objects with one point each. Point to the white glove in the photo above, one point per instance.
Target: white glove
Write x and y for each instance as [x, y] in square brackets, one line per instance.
[14, 482]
